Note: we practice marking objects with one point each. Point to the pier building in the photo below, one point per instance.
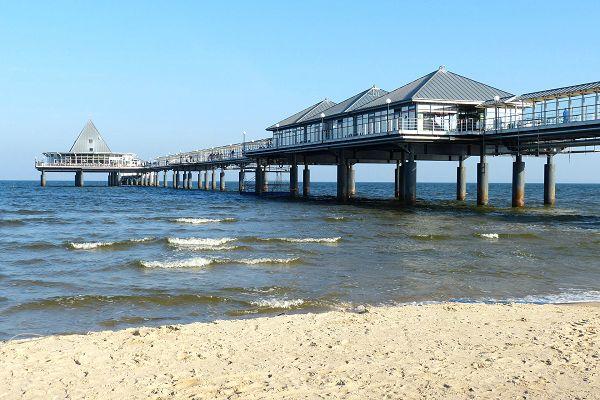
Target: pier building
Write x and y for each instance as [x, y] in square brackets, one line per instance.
[441, 116]
[90, 153]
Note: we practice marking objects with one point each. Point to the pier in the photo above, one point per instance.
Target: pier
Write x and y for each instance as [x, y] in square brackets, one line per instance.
[441, 116]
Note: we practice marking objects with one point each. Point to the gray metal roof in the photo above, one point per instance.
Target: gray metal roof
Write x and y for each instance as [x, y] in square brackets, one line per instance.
[89, 141]
[440, 85]
[355, 102]
[551, 93]
[303, 115]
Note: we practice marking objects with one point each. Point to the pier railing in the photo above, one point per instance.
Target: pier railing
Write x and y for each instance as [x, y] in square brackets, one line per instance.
[525, 119]
[223, 154]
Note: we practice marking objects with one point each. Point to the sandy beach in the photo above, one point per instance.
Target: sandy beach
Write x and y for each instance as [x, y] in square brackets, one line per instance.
[436, 351]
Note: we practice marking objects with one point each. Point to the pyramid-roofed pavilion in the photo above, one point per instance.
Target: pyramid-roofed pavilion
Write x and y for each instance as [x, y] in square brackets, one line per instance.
[90, 141]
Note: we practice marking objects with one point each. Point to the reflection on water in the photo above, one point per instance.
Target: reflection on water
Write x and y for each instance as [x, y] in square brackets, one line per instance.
[80, 259]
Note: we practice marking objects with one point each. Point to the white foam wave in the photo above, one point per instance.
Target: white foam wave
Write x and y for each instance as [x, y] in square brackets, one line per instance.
[311, 240]
[278, 303]
[146, 239]
[264, 260]
[200, 221]
[199, 242]
[492, 236]
[188, 263]
[89, 246]
[568, 296]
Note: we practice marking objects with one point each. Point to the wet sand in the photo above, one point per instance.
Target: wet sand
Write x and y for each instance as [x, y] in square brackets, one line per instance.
[439, 351]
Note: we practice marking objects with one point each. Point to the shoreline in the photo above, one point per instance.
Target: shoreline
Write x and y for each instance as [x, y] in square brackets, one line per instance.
[445, 350]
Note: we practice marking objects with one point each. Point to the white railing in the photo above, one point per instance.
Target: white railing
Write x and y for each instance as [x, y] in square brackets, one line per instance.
[80, 164]
[229, 153]
[392, 126]
[530, 119]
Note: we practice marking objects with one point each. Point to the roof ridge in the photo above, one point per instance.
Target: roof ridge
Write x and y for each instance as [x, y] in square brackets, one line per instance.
[481, 83]
[431, 75]
[360, 96]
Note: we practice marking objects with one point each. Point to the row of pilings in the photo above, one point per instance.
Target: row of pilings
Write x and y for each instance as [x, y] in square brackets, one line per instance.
[405, 178]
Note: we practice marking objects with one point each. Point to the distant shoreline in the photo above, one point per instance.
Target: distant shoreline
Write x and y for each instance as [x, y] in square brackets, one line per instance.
[446, 350]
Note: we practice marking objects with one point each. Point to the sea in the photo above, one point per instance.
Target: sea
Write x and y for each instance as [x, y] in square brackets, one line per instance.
[74, 260]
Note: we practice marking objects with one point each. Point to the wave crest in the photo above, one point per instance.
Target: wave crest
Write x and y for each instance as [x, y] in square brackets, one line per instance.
[89, 245]
[199, 242]
[278, 303]
[200, 221]
[197, 262]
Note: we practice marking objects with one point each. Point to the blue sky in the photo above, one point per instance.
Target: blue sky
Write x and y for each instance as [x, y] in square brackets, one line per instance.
[160, 77]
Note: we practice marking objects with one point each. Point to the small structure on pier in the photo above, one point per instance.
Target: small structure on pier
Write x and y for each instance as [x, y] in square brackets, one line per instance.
[89, 153]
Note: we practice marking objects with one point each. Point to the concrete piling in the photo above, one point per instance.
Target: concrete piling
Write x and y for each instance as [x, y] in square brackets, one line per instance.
[258, 179]
[306, 181]
[222, 181]
[482, 182]
[43, 178]
[294, 179]
[461, 180]
[199, 179]
[174, 183]
[410, 181]
[165, 178]
[397, 180]
[189, 180]
[241, 178]
[342, 179]
[550, 181]
[206, 180]
[401, 179]
[518, 182]
[213, 180]
[79, 178]
[351, 181]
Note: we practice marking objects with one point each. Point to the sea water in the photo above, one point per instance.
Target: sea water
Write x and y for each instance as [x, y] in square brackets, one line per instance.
[97, 257]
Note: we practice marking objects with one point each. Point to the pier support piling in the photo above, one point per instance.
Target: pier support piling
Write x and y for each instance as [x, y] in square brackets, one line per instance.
[342, 179]
[410, 181]
[461, 180]
[550, 181]
[165, 178]
[79, 179]
[518, 182]
[189, 180]
[199, 179]
[174, 183]
[213, 182]
[306, 181]
[222, 181]
[258, 178]
[351, 181]
[294, 179]
[43, 178]
[241, 177]
[397, 180]
[206, 180]
[482, 182]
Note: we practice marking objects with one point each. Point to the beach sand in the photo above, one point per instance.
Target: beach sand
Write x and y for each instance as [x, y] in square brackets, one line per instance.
[439, 351]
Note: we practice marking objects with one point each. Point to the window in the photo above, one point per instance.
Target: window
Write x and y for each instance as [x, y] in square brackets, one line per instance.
[90, 141]
[91, 149]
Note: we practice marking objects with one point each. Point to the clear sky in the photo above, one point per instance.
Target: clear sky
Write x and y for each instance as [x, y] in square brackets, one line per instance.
[160, 77]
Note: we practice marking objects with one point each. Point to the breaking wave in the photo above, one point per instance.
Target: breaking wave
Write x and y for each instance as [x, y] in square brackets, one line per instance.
[491, 236]
[278, 303]
[199, 242]
[90, 246]
[196, 262]
[199, 262]
[264, 260]
[329, 240]
[200, 221]
[102, 245]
